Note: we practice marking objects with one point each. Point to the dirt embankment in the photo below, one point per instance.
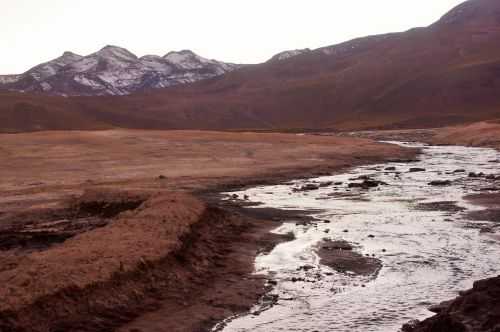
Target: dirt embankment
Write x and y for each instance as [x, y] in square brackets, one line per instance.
[173, 255]
[480, 134]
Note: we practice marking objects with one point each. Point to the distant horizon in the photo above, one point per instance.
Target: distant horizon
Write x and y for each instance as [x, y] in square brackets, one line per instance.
[33, 33]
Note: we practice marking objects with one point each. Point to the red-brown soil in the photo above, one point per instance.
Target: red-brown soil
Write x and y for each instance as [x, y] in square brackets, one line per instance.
[477, 134]
[482, 134]
[100, 231]
[173, 254]
[444, 74]
[43, 167]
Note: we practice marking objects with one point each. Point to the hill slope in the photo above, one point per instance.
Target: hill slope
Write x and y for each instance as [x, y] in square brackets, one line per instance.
[113, 71]
[443, 74]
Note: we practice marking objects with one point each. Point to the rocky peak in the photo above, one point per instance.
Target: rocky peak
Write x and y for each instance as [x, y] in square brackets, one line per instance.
[116, 52]
[473, 12]
[289, 54]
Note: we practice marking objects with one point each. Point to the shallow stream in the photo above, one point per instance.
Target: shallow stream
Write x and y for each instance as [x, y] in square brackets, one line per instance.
[428, 255]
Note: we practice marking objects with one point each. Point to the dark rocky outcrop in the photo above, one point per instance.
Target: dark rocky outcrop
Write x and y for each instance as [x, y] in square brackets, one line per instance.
[475, 310]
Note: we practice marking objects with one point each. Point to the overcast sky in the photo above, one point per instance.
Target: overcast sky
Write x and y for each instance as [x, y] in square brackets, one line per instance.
[241, 31]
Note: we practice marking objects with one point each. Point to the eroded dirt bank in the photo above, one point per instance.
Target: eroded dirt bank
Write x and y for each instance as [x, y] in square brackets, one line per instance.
[173, 254]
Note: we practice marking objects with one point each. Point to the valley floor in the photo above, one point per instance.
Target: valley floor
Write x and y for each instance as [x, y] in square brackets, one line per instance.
[122, 229]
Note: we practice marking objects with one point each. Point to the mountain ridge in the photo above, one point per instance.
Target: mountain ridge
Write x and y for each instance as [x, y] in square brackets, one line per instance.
[444, 74]
[113, 70]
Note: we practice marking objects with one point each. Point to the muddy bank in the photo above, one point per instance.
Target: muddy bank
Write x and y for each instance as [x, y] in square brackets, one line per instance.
[479, 134]
[491, 204]
[39, 229]
[342, 257]
[475, 310]
[410, 135]
[173, 254]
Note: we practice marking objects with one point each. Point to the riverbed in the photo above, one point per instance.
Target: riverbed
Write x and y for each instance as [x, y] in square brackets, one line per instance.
[419, 231]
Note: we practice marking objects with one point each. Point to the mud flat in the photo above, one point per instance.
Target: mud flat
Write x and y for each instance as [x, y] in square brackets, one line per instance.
[342, 257]
[123, 230]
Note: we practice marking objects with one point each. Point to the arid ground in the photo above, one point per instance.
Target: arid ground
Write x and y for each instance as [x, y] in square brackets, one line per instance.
[119, 229]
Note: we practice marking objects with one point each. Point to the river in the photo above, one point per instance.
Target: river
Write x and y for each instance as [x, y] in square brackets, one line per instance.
[428, 255]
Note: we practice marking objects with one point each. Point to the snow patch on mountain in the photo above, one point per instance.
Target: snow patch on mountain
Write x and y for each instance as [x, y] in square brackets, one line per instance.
[6, 79]
[114, 71]
[289, 54]
[51, 68]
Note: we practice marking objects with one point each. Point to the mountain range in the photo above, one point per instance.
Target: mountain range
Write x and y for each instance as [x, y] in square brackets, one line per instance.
[443, 74]
[114, 71]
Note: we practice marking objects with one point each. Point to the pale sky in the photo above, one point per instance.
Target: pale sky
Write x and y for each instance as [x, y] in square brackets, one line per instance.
[240, 31]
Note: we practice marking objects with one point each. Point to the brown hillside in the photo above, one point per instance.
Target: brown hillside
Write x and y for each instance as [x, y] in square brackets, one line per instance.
[444, 74]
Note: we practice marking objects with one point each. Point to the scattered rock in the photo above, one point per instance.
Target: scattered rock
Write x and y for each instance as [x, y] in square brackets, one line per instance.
[490, 189]
[439, 307]
[366, 184]
[476, 175]
[295, 279]
[337, 245]
[448, 206]
[410, 326]
[306, 268]
[440, 183]
[307, 187]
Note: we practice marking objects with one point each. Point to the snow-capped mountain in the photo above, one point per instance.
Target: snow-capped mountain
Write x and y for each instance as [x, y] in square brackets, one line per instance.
[289, 54]
[114, 71]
